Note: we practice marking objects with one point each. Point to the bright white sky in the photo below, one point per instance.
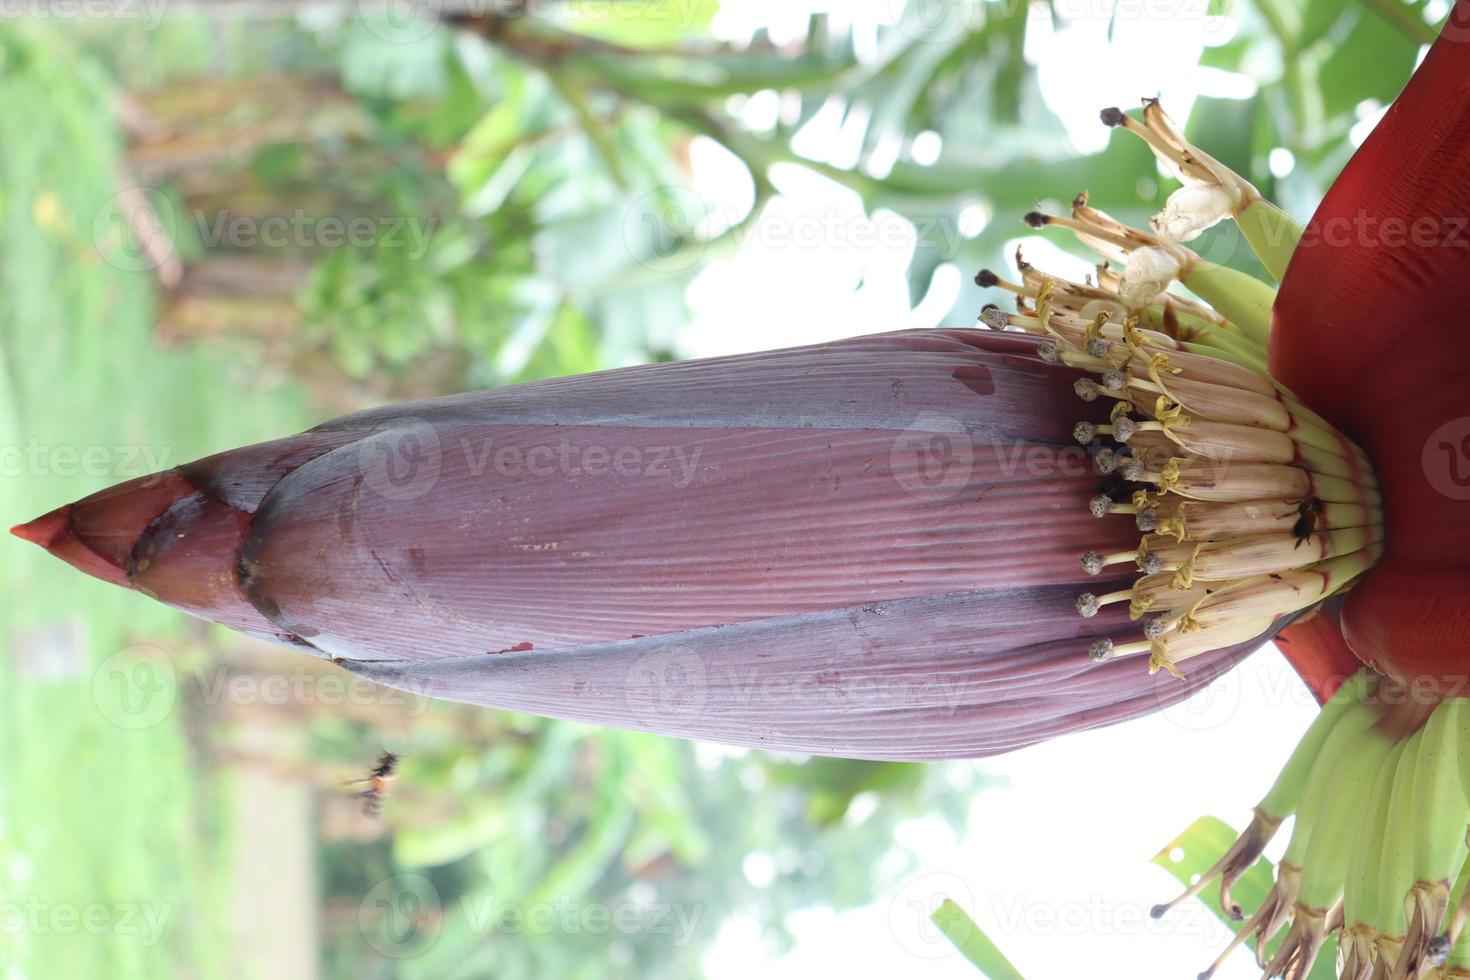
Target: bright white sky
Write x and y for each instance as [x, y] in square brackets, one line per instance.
[1071, 836]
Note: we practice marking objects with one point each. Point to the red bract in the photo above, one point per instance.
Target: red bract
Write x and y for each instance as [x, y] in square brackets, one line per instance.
[868, 548]
[1370, 331]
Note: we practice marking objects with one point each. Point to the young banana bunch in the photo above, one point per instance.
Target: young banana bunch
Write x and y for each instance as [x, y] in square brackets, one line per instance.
[1378, 850]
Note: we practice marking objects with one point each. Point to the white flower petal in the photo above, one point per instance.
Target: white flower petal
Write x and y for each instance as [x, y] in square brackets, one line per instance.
[1190, 210]
[1148, 273]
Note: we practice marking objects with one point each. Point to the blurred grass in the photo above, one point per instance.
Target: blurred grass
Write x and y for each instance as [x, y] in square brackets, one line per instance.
[91, 813]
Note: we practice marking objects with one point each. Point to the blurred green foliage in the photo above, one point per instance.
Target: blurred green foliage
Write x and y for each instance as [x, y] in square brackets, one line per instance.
[544, 153]
[543, 156]
[555, 825]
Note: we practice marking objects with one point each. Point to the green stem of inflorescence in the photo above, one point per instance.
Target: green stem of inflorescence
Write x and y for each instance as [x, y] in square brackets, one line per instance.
[1272, 234]
[1241, 298]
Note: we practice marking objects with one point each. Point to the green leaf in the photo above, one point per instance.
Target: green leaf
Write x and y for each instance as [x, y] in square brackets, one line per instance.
[1372, 62]
[972, 942]
[1319, 18]
[649, 24]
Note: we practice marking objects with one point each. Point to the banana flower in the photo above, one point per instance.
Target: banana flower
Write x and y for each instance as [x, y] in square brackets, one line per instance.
[952, 543]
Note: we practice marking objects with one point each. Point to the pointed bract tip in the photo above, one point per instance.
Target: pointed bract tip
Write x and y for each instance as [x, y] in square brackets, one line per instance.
[96, 534]
[44, 530]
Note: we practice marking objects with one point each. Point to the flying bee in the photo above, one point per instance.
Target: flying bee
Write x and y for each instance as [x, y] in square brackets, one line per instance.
[379, 782]
[1308, 515]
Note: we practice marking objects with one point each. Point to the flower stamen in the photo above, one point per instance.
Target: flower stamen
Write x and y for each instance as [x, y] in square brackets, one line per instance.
[1218, 464]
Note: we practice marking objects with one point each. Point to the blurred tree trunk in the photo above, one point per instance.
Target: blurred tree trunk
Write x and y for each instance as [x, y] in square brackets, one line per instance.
[234, 295]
